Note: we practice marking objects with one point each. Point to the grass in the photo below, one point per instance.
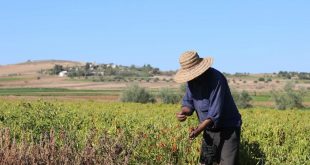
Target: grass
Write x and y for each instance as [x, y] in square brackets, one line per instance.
[266, 96]
[7, 79]
[262, 98]
[55, 92]
[61, 92]
[259, 98]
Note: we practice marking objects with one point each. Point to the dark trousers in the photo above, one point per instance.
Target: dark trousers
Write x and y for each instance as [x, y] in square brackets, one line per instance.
[220, 146]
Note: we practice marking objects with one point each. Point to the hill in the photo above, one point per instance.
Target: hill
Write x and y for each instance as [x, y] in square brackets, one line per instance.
[33, 67]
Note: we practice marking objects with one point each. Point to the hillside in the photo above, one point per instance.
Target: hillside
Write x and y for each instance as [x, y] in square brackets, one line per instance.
[91, 76]
[33, 67]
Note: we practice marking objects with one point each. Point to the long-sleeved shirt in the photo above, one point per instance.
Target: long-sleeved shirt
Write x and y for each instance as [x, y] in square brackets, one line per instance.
[209, 95]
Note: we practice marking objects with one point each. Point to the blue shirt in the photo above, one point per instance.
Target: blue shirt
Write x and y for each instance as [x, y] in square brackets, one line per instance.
[209, 95]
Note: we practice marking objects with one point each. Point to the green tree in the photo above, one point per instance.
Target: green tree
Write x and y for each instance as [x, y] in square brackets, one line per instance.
[57, 69]
[288, 97]
[135, 93]
[242, 99]
[168, 96]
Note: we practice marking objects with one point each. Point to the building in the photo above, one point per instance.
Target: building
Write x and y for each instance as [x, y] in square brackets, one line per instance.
[63, 73]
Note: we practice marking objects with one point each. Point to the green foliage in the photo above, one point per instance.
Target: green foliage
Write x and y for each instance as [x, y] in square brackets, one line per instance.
[156, 79]
[57, 69]
[288, 97]
[238, 74]
[82, 132]
[76, 73]
[183, 88]
[269, 79]
[280, 100]
[169, 96]
[299, 75]
[242, 99]
[261, 79]
[91, 69]
[135, 93]
[275, 137]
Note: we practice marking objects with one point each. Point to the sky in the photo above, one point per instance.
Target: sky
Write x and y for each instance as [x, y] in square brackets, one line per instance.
[255, 36]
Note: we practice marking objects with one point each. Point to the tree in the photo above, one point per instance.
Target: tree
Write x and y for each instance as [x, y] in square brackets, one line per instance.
[288, 97]
[57, 69]
[168, 96]
[135, 93]
[242, 99]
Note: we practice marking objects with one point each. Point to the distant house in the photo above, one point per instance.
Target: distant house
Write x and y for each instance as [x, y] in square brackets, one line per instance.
[63, 73]
[111, 65]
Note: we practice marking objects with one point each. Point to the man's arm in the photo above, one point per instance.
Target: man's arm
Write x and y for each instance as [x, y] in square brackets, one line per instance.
[187, 106]
[202, 126]
[186, 111]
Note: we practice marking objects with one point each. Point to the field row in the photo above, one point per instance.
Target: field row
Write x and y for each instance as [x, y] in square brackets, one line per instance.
[140, 133]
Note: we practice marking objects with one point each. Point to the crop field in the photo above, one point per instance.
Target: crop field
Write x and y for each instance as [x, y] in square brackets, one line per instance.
[90, 132]
[55, 92]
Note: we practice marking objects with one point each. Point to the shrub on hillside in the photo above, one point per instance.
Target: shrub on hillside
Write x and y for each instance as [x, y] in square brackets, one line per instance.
[269, 79]
[169, 96]
[135, 93]
[261, 79]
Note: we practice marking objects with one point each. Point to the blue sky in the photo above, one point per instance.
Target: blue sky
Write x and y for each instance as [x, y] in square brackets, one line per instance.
[242, 36]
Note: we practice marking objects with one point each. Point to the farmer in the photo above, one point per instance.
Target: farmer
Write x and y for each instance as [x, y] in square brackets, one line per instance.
[208, 94]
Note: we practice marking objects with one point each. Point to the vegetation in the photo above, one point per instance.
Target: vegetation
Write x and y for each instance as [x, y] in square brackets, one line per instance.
[288, 97]
[55, 92]
[183, 88]
[261, 79]
[8, 79]
[39, 132]
[169, 96]
[90, 69]
[242, 99]
[238, 74]
[258, 98]
[269, 79]
[137, 94]
[299, 75]
[57, 69]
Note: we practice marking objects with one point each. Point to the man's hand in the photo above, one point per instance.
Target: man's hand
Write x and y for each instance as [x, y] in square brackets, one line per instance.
[193, 134]
[202, 126]
[181, 117]
[185, 111]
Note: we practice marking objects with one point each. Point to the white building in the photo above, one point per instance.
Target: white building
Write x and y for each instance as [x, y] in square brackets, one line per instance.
[63, 73]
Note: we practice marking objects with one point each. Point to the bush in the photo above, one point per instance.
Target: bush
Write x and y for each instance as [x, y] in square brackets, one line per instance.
[168, 96]
[288, 97]
[156, 79]
[242, 99]
[137, 94]
[183, 88]
[261, 79]
[269, 79]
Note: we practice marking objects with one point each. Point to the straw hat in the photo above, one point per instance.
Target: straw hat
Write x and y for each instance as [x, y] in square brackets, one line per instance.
[191, 66]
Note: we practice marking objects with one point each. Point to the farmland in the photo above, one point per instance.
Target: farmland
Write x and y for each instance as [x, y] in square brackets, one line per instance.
[49, 119]
[93, 132]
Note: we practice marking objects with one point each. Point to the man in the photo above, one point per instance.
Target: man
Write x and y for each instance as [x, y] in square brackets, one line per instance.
[208, 94]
